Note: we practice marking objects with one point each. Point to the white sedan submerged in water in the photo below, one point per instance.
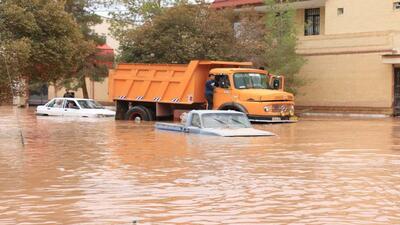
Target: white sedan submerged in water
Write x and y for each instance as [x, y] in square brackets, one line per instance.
[215, 122]
[78, 107]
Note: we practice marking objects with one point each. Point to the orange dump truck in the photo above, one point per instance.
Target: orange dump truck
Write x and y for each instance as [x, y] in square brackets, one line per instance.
[151, 91]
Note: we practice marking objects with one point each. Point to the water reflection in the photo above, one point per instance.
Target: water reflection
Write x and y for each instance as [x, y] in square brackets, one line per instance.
[101, 171]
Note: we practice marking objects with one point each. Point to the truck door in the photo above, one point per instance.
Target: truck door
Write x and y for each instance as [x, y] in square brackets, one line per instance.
[223, 91]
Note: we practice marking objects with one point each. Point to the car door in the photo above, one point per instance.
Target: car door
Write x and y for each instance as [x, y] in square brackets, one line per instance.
[71, 108]
[223, 91]
[54, 108]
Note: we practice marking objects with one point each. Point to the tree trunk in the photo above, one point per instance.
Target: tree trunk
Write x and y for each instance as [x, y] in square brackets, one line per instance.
[84, 88]
[25, 94]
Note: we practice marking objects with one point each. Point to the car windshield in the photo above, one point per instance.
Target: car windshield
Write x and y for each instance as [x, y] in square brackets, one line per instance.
[225, 120]
[90, 104]
[250, 81]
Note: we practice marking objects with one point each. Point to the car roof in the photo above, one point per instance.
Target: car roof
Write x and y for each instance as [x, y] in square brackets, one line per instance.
[72, 98]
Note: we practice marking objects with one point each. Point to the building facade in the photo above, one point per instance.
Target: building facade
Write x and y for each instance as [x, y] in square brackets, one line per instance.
[352, 48]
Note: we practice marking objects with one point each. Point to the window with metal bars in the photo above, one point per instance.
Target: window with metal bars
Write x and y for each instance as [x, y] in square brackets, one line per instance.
[396, 5]
[312, 20]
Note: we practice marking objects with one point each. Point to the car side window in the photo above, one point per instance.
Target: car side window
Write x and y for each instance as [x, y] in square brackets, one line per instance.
[223, 81]
[196, 121]
[70, 104]
[58, 103]
[51, 103]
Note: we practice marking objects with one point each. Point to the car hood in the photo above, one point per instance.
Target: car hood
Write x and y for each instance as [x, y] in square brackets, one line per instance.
[240, 132]
[264, 95]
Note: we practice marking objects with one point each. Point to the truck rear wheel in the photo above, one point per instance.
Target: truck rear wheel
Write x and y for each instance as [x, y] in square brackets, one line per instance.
[139, 111]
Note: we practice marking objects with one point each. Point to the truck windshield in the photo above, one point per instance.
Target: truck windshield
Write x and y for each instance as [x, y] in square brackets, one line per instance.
[250, 81]
[225, 120]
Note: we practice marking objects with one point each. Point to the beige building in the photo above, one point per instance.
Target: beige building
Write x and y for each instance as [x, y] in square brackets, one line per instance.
[352, 49]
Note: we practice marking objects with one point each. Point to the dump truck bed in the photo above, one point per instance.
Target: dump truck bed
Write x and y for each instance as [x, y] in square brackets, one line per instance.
[164, 83]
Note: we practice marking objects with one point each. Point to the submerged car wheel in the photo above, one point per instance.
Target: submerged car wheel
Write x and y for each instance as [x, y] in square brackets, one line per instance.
[139, 112]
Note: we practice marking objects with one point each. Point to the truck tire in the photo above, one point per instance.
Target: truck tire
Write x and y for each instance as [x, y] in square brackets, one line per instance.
[139, 111]
[151, 113]
[122, 107]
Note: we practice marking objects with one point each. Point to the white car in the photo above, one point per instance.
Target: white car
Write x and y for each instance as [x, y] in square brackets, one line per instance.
[215, 122]
[78, 107]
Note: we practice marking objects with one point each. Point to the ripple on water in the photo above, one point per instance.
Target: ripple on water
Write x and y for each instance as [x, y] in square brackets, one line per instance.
[101, 171]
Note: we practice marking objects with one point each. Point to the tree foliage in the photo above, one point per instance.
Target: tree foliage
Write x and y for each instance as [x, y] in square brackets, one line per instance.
[13, 53]
[179, 34]
[250, 32]
[83, 12]
[39, 40]
[50, 41]
[85, 16]
[280, 43]
[270, 40]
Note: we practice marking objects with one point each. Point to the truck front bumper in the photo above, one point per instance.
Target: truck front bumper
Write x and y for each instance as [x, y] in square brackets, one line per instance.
[278, 112]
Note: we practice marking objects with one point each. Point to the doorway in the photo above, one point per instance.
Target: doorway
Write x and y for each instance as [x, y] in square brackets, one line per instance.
[396, 107]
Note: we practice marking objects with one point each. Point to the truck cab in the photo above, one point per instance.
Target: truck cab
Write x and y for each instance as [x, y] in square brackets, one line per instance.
[152, 91]
[255, 92]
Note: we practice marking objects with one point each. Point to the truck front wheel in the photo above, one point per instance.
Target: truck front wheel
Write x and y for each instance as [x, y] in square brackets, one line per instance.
[233, 106]
[141, 112]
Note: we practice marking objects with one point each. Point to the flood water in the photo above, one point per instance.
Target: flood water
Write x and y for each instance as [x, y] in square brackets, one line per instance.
[101, 171]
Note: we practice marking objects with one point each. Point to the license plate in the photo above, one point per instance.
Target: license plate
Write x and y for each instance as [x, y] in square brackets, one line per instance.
[276, 119]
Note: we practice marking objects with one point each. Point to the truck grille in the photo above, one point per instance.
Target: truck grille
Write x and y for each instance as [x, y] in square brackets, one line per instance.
[277, 108]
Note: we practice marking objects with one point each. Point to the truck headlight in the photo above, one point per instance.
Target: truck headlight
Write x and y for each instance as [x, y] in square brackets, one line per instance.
[267, 108]
[291, 110]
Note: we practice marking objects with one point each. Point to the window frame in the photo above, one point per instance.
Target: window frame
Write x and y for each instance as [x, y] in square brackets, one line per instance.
[340, 11]
[313, 15]
[248, 73]
[396, 6]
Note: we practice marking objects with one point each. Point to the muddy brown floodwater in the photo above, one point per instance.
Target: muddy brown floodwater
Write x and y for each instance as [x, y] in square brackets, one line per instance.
[101, 171]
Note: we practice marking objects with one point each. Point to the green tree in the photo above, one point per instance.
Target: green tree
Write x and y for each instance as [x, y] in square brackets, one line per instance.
[14, 52]
[179, 34]
[280, 43]
[83, 11]
[136, 11]
[250, 33]
[39, 41]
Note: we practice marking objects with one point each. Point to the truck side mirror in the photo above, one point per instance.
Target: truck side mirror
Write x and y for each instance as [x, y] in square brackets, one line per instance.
[276, 83]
